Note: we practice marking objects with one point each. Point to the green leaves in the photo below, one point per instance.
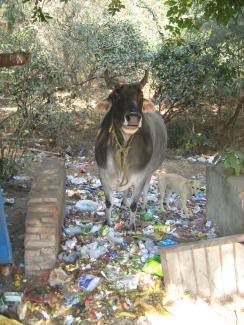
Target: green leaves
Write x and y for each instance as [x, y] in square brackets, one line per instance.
[191, 14]
[233, 161]
[38, 14]
[115, 6]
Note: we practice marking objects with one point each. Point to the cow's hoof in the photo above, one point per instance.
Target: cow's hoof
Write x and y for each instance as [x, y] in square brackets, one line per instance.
[132, 227]
[108, 223]
[124, 205]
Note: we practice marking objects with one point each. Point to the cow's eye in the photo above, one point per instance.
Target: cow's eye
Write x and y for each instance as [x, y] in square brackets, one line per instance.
[140, 96]
[116, 97]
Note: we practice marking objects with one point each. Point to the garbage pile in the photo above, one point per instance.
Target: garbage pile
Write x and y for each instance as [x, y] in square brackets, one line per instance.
[106, 275]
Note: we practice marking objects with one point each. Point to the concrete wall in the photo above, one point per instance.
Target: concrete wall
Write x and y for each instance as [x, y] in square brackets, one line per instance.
[45, 214]
[225, 201]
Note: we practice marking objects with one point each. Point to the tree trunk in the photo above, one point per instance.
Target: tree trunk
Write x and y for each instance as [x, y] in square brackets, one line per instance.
[231, 121]
[11, 59]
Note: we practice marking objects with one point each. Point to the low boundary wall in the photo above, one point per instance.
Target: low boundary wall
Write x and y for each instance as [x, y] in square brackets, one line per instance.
[45, 214]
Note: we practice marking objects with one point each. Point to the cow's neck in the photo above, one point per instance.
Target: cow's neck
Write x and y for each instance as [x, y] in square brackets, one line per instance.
[126, 137]
[121, 152]
[119, 137]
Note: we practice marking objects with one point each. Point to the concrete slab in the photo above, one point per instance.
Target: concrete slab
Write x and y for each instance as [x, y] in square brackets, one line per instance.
[209, 269]
[225, 201]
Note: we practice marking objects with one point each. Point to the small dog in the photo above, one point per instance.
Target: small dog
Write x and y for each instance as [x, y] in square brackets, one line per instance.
[185, 187]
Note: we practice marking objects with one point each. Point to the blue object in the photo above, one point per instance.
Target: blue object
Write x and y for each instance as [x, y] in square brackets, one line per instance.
[113, 254]
[199, 196]
[167, 242]
[125, 244]
[5, 245]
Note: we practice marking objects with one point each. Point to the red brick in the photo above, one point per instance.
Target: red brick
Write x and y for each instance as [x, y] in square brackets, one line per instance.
[45, 187]
[32, 237]
[45, 199]
[42, 260]
[47, 265]
[32, 267]
[41, 230]
[39, 215]
[50, 219]
[43, 208]
[33, 221]
[46, 236]
[29, 253]
[47, 251]
[39, 244]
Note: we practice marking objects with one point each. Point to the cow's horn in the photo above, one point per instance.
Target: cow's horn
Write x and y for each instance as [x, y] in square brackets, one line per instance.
[111, 84]
[144, 79]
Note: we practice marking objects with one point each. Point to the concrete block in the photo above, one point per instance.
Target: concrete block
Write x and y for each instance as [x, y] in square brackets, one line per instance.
[209, 269]
[225, 201]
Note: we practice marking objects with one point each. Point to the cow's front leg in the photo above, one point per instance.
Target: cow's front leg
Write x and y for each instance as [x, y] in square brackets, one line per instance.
[109, 206]
[133, 207]
[108, 198]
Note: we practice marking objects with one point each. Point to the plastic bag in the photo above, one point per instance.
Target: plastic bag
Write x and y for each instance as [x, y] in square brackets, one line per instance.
[153, 266]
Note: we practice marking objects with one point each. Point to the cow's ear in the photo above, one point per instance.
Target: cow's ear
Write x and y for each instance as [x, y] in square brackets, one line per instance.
[103, 106]
[148, 106]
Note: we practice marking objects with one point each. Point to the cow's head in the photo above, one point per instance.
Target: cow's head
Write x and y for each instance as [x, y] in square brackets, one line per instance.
[126, 104]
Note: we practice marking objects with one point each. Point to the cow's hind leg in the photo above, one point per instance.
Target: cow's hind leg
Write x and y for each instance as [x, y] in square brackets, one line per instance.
[145, 191]
[125, 201]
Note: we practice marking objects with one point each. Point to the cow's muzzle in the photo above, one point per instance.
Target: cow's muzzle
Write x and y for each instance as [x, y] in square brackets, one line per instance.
[133, 119]
[132, 122]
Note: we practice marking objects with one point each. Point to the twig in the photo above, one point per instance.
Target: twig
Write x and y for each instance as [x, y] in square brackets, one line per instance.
[7, 117]
[47, 152]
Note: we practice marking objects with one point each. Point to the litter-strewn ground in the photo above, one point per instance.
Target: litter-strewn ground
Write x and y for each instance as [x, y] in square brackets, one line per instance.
[106, 275]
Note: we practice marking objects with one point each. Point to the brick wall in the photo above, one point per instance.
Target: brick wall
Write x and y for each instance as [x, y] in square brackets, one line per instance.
[45, 213]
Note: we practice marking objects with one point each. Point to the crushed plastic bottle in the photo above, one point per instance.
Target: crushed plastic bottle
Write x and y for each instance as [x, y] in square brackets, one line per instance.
[88, 282]
[152, 249]
[69, 257]
[75, 180]
[69, 244]
[128, 282]
[69, 320]
[95, 228]
[148, 230]
[86, 205]
[72, 230]
[92, 250]
[114, 237]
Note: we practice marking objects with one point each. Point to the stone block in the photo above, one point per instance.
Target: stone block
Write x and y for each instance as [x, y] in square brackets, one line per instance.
[224, 201]
[209, 269]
